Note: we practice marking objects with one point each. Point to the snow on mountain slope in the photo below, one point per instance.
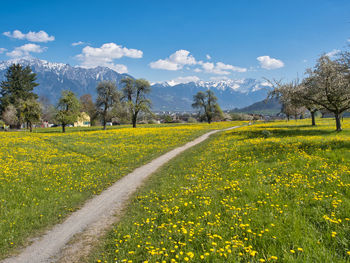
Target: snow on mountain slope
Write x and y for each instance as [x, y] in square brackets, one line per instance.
[55, 77]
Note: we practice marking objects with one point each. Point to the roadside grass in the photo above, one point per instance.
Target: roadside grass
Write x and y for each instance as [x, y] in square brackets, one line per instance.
[244, 196]
[46, 176]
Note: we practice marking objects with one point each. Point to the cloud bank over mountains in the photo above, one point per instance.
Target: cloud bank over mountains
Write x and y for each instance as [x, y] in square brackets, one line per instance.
[105, 55]
[181, 58]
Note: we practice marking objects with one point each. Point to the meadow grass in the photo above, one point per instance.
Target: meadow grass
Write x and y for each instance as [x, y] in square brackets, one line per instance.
[245, 195]
[46, 176]
[98, 128]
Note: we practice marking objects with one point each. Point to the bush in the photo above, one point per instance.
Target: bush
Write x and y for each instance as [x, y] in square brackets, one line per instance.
[152, 121]
[191, 120]
[168, 119]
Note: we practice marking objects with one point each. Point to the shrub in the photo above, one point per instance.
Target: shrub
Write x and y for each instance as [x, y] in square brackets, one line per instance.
[191, 120]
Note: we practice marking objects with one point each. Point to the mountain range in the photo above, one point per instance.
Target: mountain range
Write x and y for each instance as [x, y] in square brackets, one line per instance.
[55, 77]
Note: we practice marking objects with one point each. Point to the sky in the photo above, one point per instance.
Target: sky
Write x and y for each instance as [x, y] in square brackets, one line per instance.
[178, 41]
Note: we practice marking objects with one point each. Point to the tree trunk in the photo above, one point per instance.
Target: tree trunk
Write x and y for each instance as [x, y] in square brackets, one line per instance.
[105, 118]
[287, 117]
[63, 128]
[30, 126]
[313, 118]
[338, 122]
[208, 118]
[134, 118]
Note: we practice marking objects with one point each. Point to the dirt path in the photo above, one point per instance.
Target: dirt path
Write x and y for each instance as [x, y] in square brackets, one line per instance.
[72, 240]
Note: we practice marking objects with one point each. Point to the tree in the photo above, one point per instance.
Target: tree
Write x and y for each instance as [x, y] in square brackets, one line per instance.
[302, 95]
[206, 102]
[88, 106]
[107, 97]
[218, 113]
[134, 93]
[9, 115]
[292, 105]
[30, 112]
[68, 109]
[18, 87]
[328, 86]
[120, 113]
[48, 111]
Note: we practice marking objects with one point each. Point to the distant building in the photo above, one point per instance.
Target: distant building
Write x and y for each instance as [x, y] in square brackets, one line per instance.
[83, 120]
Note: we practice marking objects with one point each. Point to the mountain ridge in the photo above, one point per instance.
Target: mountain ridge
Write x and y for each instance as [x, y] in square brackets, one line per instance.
[55, 77]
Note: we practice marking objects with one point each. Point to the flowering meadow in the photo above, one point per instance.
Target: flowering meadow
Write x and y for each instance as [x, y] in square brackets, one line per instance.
[46, 176]
[272, 192]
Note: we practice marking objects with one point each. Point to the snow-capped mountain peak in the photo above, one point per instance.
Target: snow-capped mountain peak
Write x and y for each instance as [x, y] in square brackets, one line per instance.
[53, 78]
[237, 85]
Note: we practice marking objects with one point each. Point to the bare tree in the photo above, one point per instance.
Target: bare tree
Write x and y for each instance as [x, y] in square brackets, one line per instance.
[134, 93]
[206, 102]
[107, 97]
[48, 111]
[286, 94]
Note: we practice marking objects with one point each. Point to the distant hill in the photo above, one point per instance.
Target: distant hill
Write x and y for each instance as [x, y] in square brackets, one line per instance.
[270, 107]
[55, 77]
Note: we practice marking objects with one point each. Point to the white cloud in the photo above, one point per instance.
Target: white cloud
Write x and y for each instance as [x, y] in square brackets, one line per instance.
[2, 50]
[40, 36]
[186, 79]
[103, 56]
[333, 53]
[208, 56]
[25, 50]
[182, 58]
[220, 68]
[175, 61]
[78, 43]
[267, 62]
[120, 68]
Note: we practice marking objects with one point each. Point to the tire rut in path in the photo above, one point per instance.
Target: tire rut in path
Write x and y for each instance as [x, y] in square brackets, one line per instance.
[72, 239]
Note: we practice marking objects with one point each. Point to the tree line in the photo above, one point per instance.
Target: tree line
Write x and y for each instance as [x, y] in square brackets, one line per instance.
[326, 87]
[20, 105]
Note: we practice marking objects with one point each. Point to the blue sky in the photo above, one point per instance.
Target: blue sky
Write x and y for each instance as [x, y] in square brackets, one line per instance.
[178, 40]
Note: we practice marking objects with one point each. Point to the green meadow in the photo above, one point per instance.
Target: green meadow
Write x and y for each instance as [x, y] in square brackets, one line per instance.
[45, 175]
[271, 192]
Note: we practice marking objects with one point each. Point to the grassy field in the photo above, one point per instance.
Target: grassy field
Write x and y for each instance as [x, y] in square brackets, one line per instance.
[274, 192]
[47, 175]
